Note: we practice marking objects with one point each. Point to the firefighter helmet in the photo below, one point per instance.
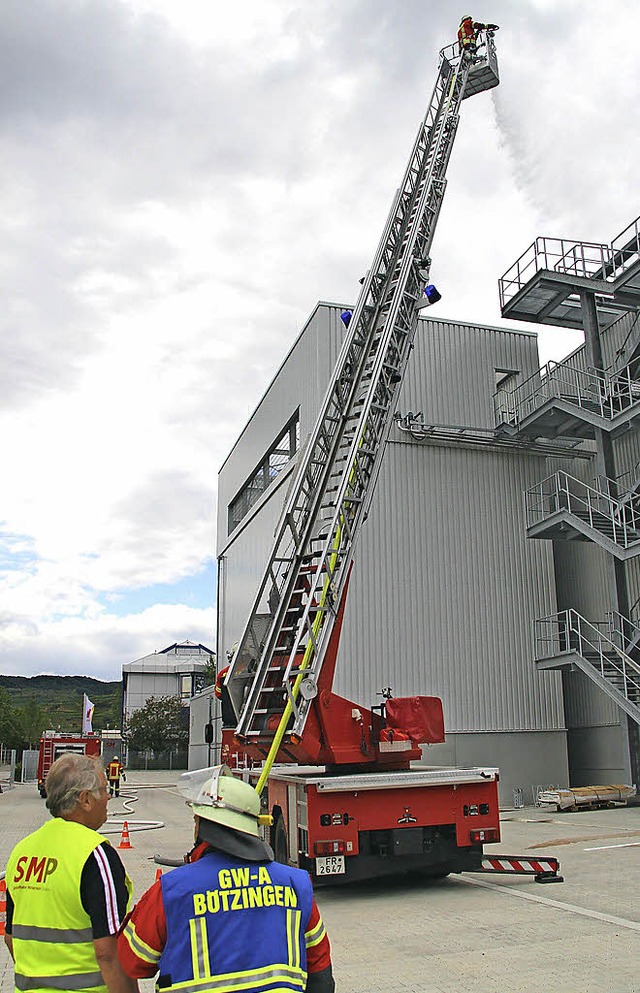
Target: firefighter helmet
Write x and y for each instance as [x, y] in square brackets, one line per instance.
[215, 794]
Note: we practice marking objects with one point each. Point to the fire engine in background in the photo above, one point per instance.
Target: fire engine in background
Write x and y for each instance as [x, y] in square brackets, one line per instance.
[53, 744]
[351, 803]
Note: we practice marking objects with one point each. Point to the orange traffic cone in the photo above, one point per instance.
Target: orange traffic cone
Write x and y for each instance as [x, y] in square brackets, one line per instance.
[158, 874]
[124, 839]
[3, 905]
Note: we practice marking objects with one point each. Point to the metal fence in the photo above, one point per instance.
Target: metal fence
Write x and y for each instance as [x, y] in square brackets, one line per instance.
[177, 759]
[29, 769]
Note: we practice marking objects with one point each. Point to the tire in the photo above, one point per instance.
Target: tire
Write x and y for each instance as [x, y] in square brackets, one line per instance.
[279, 842]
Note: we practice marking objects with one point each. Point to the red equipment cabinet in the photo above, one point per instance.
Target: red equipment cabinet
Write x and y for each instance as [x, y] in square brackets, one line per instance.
[53, 744]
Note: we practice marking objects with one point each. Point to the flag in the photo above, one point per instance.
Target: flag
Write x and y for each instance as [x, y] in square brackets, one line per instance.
[87, 714]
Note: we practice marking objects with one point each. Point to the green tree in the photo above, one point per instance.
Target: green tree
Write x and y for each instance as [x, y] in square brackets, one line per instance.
[161, 725]
[210, 672]
[10, 731]
[30, 722]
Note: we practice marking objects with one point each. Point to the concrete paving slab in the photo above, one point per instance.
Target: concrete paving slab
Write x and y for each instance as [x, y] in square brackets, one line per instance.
[477, 933]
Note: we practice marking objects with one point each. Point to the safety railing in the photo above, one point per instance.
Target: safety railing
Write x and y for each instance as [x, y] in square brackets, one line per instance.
[577, 258]
[623, 631]
[591, 389]
[626, 247]
[567, 632]
[553, 380]
[590, 503]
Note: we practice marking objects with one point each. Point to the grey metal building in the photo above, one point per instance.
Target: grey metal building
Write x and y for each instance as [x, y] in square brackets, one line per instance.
[445, 585]
[499, 565]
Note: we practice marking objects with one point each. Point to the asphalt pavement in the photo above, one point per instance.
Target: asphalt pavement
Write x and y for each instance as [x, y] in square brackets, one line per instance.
[477, 933]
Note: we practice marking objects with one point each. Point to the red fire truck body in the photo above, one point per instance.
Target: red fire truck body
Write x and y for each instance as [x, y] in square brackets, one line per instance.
[53, 744]
[349, 827]
[356, 807]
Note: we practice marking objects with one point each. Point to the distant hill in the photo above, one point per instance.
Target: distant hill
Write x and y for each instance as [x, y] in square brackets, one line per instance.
[60, 697]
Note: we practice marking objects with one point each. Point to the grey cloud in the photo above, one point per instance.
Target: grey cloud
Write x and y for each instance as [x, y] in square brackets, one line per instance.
[62, 60]
[164, 528]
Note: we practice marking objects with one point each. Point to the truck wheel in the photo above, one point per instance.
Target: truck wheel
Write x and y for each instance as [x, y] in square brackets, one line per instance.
[279, 842]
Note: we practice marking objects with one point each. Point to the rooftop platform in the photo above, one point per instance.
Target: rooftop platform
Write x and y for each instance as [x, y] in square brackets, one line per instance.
[543, 286]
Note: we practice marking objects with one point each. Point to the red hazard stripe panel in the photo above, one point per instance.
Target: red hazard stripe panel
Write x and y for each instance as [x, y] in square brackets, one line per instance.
[516, 864]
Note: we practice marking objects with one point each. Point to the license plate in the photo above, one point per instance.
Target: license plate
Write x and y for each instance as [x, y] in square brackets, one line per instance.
[329, 865]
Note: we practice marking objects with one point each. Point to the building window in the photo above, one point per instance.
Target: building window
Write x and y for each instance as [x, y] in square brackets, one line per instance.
[185, 687]
[505, 379]
[270, 466]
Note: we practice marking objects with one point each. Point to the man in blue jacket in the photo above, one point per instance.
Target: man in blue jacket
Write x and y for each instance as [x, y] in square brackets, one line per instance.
[232, 917]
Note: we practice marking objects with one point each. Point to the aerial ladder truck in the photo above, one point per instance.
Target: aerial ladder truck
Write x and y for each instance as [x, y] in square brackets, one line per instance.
[337, 777]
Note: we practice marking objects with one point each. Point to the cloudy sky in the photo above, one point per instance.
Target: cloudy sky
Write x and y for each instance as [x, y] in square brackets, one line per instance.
[182, 181]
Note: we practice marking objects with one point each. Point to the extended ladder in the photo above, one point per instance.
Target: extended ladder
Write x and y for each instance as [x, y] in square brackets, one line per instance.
[273, 675]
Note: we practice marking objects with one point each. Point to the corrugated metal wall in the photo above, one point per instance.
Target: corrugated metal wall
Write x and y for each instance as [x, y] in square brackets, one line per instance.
[451, 376]
[300, 383]
[445, 588]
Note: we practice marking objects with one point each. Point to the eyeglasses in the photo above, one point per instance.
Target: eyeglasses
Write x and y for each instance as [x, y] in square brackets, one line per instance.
[102, 789]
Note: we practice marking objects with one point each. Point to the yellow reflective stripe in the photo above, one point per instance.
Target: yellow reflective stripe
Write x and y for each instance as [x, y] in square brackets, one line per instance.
[290, 977]
[195, 969]
[199, 948]
[315, 935]
[293, 937]
[289, 940]
[140, 947]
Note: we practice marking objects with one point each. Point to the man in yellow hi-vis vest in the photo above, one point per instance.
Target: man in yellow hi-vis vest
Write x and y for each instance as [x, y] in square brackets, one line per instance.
[67, 890]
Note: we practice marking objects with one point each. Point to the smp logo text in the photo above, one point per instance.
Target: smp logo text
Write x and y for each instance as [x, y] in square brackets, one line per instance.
[36, 871]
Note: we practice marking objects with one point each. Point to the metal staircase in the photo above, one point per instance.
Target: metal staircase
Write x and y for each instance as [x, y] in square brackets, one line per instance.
[562, 507]
[599, 650]
[273, 675]
[561, 400]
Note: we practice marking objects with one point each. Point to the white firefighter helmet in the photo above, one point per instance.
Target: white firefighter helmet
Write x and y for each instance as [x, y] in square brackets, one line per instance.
[215, 794]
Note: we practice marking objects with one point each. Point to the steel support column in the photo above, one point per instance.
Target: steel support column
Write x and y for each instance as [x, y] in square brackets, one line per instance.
[605, 464]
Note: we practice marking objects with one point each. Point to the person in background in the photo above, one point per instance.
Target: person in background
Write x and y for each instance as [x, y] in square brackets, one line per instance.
[468, 35]
[67, 890]
[115, 772]
[232, 916]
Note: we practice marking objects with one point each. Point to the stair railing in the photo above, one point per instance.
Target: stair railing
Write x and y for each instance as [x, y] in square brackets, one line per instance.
[607, 395]
[569, 632]
[555, 380]
[623, 631]
[561, 491]
[622, 391]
